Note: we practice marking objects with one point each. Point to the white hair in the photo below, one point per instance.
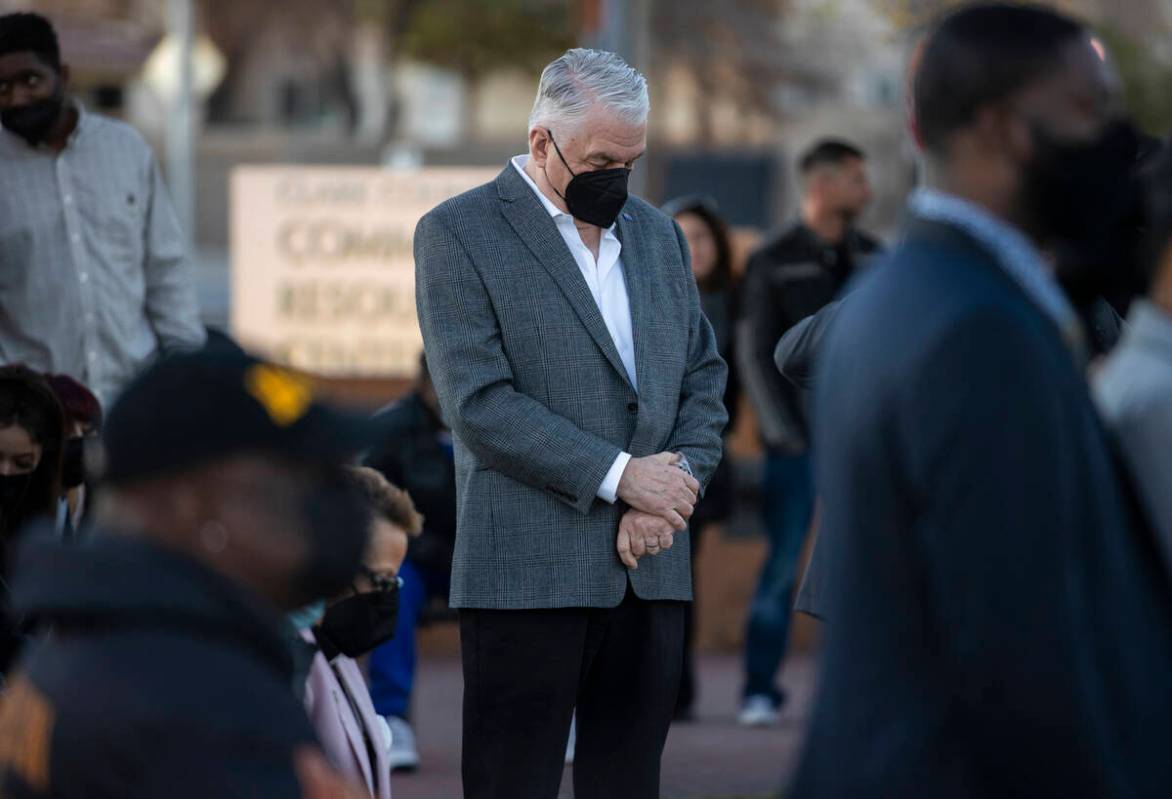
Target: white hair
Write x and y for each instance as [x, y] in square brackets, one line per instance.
[579, 79]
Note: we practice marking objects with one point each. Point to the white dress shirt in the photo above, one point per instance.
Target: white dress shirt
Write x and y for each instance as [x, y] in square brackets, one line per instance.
[608, 286]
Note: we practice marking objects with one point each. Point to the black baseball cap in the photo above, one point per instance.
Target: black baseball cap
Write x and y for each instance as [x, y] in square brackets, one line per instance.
[191, 408]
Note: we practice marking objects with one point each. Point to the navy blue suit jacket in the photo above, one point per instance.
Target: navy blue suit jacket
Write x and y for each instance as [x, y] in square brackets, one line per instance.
[998, 624]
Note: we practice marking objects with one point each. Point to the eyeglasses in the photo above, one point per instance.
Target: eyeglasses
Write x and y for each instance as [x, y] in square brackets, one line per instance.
[383, 582]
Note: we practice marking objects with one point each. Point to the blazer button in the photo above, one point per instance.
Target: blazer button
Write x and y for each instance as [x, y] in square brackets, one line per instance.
[633, 407]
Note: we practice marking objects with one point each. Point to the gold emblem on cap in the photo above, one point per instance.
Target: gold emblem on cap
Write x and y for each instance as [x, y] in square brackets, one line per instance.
[284, 396]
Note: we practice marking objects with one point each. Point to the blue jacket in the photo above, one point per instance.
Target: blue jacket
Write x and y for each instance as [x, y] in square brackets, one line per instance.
[160, 678]
[999, 626]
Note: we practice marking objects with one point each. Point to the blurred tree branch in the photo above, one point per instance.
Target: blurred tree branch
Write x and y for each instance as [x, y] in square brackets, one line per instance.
[1132, 32]
[475, 38]
[750, 51]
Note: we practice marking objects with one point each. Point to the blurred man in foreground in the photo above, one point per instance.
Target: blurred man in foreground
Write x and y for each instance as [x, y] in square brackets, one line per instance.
[787, 280]
[1134, 389]
[96, 278]
[165, 673]
[998, 626]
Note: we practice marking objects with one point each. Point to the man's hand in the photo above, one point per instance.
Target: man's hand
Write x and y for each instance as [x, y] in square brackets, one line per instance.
[642, 534]
[657, 486]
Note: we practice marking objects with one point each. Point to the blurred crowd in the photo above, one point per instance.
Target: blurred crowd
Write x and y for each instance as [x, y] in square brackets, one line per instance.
[213, 580]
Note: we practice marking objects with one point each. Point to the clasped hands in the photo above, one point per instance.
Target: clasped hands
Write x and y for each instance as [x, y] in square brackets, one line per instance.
[662, 497]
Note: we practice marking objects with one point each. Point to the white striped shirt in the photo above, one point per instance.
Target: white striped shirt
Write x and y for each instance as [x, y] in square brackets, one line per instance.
[94, 273]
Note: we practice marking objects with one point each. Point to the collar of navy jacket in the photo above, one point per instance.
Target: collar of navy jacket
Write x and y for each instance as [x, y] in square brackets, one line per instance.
[533, 224]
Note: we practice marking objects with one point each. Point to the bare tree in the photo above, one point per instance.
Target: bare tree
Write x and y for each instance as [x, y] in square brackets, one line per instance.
[758, 52]
[474, 38]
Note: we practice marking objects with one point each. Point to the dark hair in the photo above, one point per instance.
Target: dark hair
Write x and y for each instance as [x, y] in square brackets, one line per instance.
[25, 32]
[386, 499]
[828, 152]
[982, 55]
[1158, 209]
[26, 400]
[78, 402]
[722, 272]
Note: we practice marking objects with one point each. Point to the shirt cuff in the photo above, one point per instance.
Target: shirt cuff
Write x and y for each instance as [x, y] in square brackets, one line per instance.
[609, 490]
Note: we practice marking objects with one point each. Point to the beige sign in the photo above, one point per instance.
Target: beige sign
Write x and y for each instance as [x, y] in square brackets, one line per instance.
[323, 275]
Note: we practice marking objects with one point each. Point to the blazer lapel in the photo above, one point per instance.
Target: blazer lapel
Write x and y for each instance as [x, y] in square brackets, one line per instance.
[534, 226]
[635, 265]
[350, 723]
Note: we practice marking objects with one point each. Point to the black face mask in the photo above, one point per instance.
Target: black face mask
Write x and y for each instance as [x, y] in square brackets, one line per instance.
[1081, 200]
[73, 463]
[33, 122]
[357, 624]
[13, 490]
[338, 518]
[594, 197]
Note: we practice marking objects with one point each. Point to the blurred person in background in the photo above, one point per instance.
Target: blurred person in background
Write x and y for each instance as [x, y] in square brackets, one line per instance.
[711, 251]
[32, 441]
[33, 436]
[580, 448]
[1134, 388]
[94, 274]
[998, 624]
[355, 738]
[787, 280]
[415, 452]
[83, 423]
[165, 672]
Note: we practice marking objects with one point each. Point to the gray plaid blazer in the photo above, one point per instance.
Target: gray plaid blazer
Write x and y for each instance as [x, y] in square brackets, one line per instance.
[539, 403]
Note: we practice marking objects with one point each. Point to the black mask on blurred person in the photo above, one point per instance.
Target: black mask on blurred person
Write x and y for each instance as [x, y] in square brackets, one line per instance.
[13, 489]
[338, 519]
[357, 624]
[1081, 200]
[73, 463]
[594, 197]
[33, 122]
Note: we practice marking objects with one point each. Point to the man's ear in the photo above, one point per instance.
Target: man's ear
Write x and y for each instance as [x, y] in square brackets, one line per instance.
[65, 75]
[539, 146]
[1001, 130]
[816, 184]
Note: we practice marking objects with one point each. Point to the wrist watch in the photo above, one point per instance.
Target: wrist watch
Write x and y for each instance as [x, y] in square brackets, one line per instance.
[685, 465]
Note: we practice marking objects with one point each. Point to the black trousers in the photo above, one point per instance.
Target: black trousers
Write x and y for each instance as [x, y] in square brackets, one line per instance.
[525, 673]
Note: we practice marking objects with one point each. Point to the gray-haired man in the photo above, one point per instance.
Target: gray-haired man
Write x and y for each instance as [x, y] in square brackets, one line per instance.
[583, 386]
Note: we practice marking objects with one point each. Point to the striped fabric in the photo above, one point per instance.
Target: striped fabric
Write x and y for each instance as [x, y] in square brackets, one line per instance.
[538, 398]
[94, 274]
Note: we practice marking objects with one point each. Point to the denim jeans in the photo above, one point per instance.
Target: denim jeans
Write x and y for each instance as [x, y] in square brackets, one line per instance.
[787, 499]
[392, 665]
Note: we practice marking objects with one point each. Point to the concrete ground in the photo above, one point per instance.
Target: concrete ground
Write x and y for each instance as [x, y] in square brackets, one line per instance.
[710, 758]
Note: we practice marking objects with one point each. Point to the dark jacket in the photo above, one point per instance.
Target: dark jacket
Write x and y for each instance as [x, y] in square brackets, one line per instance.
[796, 353]
[415, 454]
[999, 625]
[720, 308]
[796, 357]
[787, 280]
[159, 678]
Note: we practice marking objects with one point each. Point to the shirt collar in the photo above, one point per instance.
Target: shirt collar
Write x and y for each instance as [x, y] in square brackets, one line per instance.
[519, 162]
[83, 123]
[1015, 253]
[1149, 325]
